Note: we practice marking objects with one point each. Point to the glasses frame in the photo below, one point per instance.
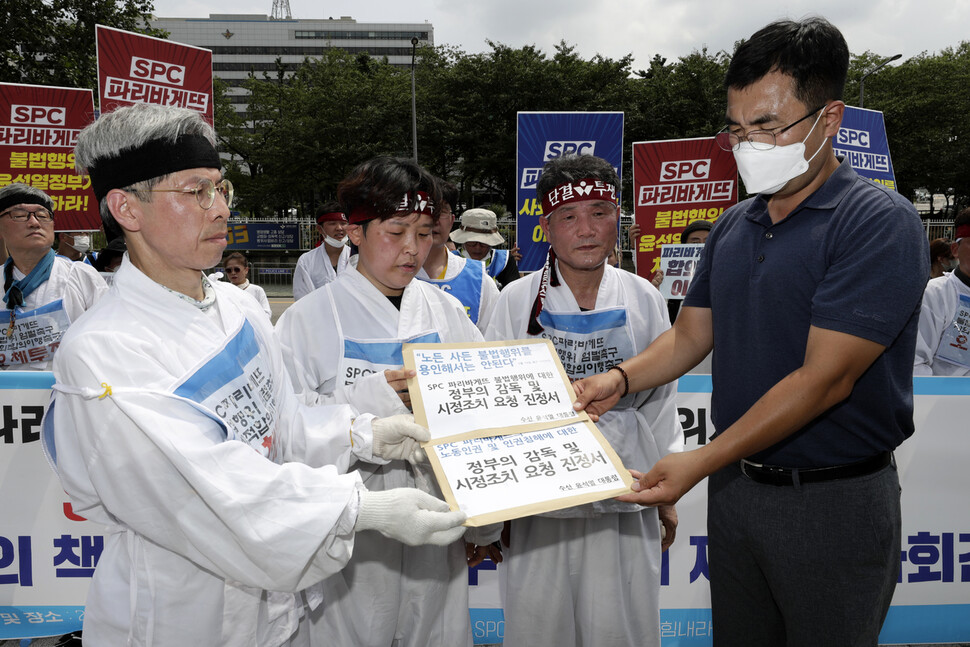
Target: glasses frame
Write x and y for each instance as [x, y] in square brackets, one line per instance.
[735, 140]
[48, 219]
[204, 195]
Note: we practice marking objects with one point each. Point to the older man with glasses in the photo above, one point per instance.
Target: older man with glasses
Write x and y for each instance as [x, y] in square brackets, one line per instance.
[175, 424]
[41, 291]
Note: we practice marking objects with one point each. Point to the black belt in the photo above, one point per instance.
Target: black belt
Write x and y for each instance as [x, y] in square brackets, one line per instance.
[774, 475]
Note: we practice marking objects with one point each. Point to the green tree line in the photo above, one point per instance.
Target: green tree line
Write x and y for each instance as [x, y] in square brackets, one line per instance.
[306, 127]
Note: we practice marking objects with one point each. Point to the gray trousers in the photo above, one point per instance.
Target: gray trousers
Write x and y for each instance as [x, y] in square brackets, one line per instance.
[808, 566]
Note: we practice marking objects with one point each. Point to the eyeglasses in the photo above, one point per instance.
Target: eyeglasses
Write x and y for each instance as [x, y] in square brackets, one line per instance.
[205, 192]
[23, 215]
[761, 140]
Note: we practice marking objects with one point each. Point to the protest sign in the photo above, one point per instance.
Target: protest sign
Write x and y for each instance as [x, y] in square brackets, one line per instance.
[133, 68]
[39, 126]
[676, 182]
[678, 263]
[862, 140]
[543, 136]
[505, 440]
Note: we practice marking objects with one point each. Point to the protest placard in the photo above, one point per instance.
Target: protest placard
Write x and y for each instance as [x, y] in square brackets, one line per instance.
[678, 263]
[505, 440]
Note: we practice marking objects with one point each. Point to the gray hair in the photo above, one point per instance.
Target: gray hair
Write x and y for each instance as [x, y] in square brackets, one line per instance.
[26, 189]
[132, 127]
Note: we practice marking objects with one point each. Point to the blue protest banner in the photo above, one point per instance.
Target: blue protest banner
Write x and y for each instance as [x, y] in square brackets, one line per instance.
[862, 139]
[263, 235]
[542, 136]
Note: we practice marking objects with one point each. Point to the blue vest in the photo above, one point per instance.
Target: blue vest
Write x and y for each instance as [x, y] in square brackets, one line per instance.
[500, 258]
[466, 287]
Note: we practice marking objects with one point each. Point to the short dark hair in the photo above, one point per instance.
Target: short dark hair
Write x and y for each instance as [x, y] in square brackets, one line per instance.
[939, 250]
[812, 52]
[570, 168]
[330, 206]
[378, 185]
[449, 193]
[963, 218]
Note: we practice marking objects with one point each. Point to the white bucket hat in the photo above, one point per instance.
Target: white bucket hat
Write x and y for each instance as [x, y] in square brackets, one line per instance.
[479, 225]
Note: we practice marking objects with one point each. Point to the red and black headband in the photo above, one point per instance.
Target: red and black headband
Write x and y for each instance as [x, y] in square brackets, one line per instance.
[416, 202]
[577, 191]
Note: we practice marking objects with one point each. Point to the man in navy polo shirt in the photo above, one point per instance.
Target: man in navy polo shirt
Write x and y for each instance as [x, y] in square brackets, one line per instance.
[809, 294]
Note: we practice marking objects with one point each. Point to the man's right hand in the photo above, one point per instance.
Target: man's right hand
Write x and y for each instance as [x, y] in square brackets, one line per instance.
[397, 379]
[598, 393]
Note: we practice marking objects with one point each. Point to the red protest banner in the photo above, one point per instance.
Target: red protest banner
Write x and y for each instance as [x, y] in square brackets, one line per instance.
[39, 126]
[133, 68]
[676, 182]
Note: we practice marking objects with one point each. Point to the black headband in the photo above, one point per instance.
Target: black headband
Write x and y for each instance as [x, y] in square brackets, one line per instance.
[154, 159]
[22, 197]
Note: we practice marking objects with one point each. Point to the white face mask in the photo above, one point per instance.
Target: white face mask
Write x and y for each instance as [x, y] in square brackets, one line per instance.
[81, 243]
[335, 242]
[768, 171]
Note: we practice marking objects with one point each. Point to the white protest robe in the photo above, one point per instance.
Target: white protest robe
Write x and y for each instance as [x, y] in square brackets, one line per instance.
[164, 418]
[337, 342]
[938, 349]
[46, 315]
[259, 294]
[598, 562]
[314, 270]
[466, 280]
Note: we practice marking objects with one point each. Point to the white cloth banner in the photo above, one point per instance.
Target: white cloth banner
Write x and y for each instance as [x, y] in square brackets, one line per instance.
[47, 555]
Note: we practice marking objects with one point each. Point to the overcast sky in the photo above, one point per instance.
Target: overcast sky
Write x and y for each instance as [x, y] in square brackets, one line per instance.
[614, 28]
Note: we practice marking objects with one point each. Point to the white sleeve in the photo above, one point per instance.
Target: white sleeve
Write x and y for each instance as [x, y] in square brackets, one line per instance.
[263, 301]
[310, 363]
[303, 352]
[658, 411]
[83, 289]
[160, 467]
[302, 284]
[490, 295]
[501, 325]
[933, 319]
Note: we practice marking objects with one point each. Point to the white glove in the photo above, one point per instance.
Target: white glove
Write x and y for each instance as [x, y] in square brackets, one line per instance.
[484, 535]
[397, 437]
[410, 516]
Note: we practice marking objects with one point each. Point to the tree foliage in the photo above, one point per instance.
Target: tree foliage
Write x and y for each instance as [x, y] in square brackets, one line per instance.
[52, 42]
[305, 129]
[927, 111]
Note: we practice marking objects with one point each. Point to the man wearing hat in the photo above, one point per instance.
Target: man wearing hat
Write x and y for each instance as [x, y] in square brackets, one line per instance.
[463, 278]
[696, 232]
[320, 266]
[478, 237]
[174, 422]
[41, 291]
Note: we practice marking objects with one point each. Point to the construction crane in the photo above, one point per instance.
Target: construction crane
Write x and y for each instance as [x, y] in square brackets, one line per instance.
[281, 10]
